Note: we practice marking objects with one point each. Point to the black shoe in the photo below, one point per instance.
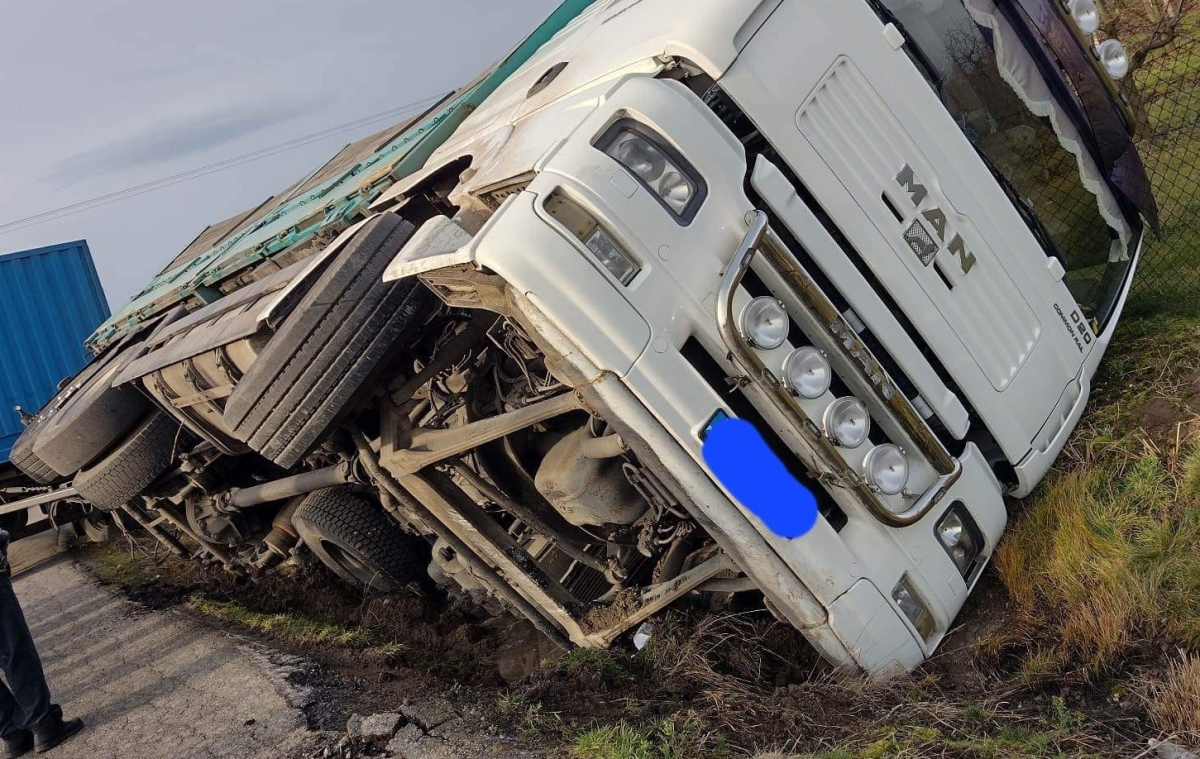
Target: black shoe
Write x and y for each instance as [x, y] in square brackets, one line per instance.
[50, 735]
[19, 743]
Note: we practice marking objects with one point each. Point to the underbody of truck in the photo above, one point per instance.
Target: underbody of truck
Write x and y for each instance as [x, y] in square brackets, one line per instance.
[894, 236]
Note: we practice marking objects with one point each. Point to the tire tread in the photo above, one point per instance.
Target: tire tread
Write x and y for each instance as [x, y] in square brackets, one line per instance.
[327, 348]
[340, 517]
[133, 464]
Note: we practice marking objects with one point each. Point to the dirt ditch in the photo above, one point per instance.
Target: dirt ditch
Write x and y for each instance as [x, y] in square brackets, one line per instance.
[733, 683]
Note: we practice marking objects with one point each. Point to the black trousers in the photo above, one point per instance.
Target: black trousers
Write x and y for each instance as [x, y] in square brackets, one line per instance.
[25, 701]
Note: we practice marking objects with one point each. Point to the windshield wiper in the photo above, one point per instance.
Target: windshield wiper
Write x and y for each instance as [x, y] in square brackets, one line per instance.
[1027, 211]
[932, 73]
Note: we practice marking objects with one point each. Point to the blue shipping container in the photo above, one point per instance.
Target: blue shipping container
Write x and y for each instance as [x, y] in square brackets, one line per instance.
[50, 301]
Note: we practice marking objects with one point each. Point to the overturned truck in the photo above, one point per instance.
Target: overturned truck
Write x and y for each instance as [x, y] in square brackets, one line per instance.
[894, 236]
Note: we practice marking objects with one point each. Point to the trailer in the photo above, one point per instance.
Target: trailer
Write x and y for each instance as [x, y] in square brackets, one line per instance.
[51, 300]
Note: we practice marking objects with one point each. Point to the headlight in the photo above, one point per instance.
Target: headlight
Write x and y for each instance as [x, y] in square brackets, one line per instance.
[847, 422]
[961, 538]
[807, 373]
[662, 170]
[639, 156]
[765, 323]
[1115, 58]
[886, 469]
[910, 603]
[1086, 15]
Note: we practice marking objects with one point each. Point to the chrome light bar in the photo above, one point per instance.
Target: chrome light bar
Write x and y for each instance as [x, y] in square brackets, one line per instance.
[852, 359]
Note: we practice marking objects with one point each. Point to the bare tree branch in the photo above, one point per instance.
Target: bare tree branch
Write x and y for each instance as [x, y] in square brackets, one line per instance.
[1166, 29]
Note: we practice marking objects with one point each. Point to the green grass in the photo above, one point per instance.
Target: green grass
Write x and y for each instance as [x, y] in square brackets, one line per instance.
[665, 740]
[115, 566]
[1102, 560]
[952, 731]
[286, 627]
[608, 666]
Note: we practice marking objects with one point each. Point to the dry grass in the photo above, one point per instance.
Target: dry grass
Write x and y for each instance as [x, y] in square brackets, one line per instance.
[1175, 702]
[1102, 561]
[739, 684]
[991, 729]
[290, 628]
[1106, 558]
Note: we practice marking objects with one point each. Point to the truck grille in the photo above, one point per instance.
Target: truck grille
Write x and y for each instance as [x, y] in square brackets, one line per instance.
[747, 132]
[864, 145]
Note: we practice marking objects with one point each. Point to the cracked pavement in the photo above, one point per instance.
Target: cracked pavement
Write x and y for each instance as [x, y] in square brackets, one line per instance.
[147, 684]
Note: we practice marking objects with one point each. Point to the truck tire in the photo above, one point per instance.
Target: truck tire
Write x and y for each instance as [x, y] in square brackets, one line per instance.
[94, 417]
[23, 455]
[134, 463]
[328, 347]
[359, 542]
[24, 458]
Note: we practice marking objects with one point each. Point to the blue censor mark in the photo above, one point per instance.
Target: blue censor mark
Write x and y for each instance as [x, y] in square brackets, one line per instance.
[740, 458]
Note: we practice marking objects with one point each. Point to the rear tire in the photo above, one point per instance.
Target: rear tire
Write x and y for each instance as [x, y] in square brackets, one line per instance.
[23, 455]
[134, 463]
[24, 458]
[359, 542]
[328, 347]
[91, 419]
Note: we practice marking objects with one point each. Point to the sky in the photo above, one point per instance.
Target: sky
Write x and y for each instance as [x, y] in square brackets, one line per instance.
[102, 97]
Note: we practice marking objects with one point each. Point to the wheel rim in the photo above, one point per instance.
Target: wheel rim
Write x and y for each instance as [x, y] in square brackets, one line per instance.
[354, 566]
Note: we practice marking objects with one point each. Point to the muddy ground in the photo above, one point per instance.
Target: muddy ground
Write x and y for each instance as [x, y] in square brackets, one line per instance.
[728, 683]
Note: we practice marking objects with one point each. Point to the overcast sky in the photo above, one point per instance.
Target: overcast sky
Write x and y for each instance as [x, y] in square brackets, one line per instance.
[101, 97]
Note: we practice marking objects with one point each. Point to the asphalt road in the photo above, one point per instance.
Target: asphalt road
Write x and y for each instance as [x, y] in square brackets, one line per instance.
[147, 684]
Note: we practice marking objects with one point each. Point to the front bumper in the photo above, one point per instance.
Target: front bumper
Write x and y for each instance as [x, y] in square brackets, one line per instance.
[628, 344]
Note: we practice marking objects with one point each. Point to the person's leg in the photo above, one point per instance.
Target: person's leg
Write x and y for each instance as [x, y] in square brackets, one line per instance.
[16, 741]
[21, 664]
[8, 712]
[23, 669]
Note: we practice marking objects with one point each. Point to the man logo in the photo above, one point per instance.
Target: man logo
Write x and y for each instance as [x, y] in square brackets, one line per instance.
[925, 245]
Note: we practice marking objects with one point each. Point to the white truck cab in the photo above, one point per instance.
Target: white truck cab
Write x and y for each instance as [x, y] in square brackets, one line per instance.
[936, 200]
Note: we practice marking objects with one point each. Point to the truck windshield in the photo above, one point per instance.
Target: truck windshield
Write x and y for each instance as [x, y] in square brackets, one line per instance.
[994, 91]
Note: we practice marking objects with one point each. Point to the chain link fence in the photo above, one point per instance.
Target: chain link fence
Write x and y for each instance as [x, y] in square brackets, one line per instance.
[1164, 37]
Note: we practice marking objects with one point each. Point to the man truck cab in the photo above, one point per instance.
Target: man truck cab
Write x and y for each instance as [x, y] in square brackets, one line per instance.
[902, 185]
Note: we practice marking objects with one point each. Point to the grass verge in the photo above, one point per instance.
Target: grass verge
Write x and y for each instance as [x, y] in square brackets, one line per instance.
[290, 628]
[306, 608]
[1101, 564]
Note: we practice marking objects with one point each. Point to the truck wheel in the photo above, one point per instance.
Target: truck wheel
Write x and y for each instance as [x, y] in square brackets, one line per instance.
[24, 458]
[134, 463]
[91, 419]
[360, 543]
[327, 348]
[23, 455]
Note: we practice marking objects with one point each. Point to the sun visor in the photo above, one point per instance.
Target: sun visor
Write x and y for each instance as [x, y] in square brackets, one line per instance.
[1092, 104]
